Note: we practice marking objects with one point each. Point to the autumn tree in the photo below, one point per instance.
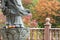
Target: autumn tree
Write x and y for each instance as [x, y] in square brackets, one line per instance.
[47, 8]
[41, 9]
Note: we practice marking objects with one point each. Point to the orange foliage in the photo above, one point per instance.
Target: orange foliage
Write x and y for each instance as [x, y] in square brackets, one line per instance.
[2, 18]
[47, 8]
[27, 1]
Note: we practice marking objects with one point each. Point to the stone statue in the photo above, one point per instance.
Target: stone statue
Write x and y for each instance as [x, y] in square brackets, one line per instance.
[14, 10]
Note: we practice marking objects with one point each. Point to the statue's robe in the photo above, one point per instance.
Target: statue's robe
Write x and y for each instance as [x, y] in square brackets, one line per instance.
[14, 7]
[13, 10]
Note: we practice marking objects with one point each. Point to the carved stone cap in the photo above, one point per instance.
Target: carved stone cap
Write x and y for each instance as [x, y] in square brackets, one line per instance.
[48, 22]
[47, 19]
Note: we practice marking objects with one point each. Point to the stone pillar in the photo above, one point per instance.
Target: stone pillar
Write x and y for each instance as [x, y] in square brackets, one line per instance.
[47, 35]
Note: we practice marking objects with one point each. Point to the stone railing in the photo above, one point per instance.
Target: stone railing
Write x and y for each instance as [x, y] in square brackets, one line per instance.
[46, 33]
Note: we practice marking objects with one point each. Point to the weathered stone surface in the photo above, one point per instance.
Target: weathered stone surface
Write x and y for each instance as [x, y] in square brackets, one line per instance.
[15, 33]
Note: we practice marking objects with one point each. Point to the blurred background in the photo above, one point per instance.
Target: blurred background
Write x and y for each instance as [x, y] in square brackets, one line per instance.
[40, 9]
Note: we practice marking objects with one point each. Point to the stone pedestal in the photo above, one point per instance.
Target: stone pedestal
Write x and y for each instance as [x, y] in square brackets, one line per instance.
[15, 33]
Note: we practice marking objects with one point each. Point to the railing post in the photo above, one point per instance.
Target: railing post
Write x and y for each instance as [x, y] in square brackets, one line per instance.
[47, 25]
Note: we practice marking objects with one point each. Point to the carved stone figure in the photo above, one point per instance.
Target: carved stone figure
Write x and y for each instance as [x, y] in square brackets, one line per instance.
[14, 10]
